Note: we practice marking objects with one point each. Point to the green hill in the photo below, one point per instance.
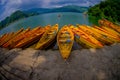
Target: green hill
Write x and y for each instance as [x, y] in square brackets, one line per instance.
[108, 9]
[14, 17]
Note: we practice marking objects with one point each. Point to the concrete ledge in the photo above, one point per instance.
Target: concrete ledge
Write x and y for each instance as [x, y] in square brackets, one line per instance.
[85, 64]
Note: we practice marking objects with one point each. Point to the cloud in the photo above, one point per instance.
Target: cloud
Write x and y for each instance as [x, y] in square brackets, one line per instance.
[9, 6]
[2, 2]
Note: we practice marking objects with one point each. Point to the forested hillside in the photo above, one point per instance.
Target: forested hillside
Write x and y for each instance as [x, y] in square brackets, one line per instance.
[15, 16]
[108, 9]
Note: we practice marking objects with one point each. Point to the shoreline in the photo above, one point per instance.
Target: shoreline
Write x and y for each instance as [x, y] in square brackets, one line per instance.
[76, 46]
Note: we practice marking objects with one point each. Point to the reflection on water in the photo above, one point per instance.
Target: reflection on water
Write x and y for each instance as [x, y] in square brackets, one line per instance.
[93, 19]
[62, 18]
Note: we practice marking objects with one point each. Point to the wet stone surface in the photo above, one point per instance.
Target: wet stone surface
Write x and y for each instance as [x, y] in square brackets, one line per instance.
[83, 64]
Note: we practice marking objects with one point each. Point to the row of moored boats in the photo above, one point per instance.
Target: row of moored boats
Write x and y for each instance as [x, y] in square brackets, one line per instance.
[42, 37]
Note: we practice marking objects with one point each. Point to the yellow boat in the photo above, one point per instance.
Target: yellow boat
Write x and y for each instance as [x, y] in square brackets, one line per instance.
[11, 36]
[47, 38]
[84, 39]
[26, 34]
[14, 40]
[109, 24]
[65, 39]
[6, 38]
[2, 37]
[45, 28]
[23, 37]
[111, 37]
[102, 38]
[17, 33]
[30, 37]
[109, 31]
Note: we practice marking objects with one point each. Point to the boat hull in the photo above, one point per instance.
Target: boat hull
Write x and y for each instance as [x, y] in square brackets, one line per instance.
[47, 38]
[65, 39]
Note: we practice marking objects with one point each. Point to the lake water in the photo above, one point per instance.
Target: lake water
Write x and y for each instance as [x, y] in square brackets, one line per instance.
[62, 18]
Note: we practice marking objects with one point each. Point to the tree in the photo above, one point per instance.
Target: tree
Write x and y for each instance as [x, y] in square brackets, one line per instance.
[108, 9]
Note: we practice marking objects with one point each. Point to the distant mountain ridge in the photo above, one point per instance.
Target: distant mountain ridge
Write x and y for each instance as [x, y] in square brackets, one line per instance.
[70, 8]
[37, 11]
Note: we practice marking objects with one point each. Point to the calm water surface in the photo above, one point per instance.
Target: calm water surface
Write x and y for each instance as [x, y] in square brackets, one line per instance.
[62, 18]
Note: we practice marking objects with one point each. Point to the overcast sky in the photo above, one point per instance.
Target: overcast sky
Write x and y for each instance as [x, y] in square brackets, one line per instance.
[9, 6]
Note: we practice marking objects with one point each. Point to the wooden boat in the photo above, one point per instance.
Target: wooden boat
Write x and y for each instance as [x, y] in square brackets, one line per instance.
[45, 28]
[109, 24]
[6, 38]
[112, 38]
[87, 41]
[16, 39]
[30, 37]
[109, 31]
[2, 37]
[47, 38]
[23, 36]
[100, 37]
[11, 36]
[65, 39]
